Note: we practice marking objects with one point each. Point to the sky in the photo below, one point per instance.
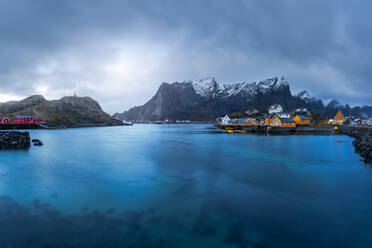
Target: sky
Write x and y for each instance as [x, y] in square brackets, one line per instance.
[119, 52]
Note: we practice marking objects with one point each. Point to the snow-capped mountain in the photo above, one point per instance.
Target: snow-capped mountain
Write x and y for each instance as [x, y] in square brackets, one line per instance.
[305, 95]
[312, 103]
[209, 87]
[206, 99]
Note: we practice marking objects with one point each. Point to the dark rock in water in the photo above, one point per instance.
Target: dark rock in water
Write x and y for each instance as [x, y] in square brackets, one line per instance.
[14, 140]
[37, 142]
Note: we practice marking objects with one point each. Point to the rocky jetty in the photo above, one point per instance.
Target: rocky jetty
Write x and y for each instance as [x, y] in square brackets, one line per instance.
[362, 143]
[14, 140]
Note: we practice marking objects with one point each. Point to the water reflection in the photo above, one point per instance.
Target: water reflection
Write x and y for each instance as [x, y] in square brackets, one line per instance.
[184, 186]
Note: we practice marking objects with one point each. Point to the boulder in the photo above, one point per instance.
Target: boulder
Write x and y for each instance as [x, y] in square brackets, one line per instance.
[37, 142]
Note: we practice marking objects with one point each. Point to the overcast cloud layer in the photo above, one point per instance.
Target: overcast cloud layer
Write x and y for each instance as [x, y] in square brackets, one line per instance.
[119, 52]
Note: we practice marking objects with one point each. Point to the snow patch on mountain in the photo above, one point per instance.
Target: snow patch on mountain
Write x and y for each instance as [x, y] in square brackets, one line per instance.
[229, 90]
[272, 83]
[205, 87]
[305, 95]
[209, 87]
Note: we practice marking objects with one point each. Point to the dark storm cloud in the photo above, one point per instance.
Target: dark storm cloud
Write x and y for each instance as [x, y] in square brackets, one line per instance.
[46, 46]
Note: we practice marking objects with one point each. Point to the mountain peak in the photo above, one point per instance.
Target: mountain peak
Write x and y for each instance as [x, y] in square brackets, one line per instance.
[305, 95]
[272, 83]
[206, 86]
[333, 104]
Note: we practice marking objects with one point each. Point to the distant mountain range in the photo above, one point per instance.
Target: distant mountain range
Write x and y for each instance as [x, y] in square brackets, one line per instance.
[206, 99]
[68, 111]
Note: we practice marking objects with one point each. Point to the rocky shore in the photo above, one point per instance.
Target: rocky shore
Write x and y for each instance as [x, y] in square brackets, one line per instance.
[362, 143]
[14, 140]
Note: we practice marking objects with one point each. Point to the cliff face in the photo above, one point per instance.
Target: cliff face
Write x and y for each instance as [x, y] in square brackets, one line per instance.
[206, 99]
[68, 111]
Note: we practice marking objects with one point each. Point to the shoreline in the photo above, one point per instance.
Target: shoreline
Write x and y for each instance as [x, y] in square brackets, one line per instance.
[58, 127]
[264, 130]
[362, 141]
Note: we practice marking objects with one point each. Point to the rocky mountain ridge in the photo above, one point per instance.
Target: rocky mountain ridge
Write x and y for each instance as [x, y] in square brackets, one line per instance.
[69, 111]
[206, 99]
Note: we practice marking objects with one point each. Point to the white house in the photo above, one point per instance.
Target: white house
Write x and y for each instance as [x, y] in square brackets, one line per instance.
[225, 120]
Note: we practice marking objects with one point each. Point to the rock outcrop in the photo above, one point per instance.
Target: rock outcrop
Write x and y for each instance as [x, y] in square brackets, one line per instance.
[14, 140]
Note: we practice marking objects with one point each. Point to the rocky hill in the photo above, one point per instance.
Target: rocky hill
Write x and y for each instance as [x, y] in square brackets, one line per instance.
[68, 111]
[14, 106]
[207, 99]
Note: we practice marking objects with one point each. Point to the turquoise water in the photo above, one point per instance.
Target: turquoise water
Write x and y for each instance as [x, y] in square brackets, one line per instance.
[184, 186]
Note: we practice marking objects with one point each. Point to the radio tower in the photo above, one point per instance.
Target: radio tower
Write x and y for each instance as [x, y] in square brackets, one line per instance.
[75, 91]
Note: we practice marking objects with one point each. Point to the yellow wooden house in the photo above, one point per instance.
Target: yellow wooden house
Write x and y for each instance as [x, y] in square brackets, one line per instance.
[252, 122]
[302, 120]
[269, 119]
[281, 122]
[339, 119]
[286, 122]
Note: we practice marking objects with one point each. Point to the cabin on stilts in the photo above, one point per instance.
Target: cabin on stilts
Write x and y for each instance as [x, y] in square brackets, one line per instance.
[338, 120]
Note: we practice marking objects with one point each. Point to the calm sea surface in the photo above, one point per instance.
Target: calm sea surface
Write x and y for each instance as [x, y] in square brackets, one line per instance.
[184, 186]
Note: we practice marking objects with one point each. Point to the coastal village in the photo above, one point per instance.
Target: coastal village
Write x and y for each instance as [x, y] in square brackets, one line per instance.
[278, 121]
[21, 122]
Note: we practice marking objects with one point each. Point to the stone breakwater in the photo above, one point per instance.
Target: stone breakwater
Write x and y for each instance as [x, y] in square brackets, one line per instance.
[362, 143]
[14, 140]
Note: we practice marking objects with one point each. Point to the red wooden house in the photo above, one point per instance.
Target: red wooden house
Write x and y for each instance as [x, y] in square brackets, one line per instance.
[4, 120]
[28, 120]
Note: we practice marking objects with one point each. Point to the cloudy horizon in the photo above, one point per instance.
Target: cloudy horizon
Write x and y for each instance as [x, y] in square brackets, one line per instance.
[119, 52]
